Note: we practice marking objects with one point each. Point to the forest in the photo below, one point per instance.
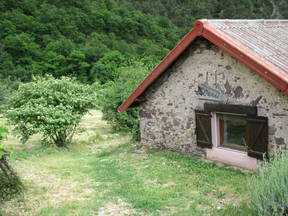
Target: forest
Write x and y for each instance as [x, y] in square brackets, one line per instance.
[86, 38]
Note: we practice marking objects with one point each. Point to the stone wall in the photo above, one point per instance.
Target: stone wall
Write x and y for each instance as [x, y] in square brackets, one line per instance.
[167, 118]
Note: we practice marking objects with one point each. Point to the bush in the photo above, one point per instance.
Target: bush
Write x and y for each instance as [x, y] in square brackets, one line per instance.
[113, 94]
[269, 189]
[10, 183]
[52, 107]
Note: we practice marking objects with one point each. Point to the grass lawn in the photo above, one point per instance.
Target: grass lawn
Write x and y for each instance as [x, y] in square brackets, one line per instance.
[104, 173]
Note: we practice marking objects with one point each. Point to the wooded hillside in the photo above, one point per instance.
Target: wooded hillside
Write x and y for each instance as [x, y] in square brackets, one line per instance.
[68, 37]
[80, 38]
[182, 13]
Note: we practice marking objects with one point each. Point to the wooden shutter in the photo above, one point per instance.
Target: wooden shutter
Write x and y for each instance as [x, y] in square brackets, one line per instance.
[203, 129]
[257, 136]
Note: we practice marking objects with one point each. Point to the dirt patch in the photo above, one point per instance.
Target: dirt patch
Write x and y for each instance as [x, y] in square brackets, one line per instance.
[152, 182]
[138, 153]
[229, 198]
[120, 208]
[169, 184]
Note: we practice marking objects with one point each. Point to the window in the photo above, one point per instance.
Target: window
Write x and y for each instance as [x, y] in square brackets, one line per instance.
[233, 127]
[232, 131]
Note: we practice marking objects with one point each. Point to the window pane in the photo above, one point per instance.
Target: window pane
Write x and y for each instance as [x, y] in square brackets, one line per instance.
[233, 129]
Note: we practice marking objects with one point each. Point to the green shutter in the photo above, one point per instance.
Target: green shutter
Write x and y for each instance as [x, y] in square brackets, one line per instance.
[203, 129]
[257, 136]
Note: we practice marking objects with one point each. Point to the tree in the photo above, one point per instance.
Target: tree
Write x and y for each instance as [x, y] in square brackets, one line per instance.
[106, 69]
[77, 66]
[113, 94]
[51, 107]
[21, 49]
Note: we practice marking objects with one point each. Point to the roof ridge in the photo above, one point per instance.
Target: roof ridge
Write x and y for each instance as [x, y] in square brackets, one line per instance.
[239, 20]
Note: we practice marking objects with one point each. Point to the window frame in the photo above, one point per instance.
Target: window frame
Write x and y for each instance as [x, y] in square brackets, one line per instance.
[221, 132]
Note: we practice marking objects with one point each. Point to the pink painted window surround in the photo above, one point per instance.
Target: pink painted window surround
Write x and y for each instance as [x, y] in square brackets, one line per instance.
[228, 130]
[230, 156]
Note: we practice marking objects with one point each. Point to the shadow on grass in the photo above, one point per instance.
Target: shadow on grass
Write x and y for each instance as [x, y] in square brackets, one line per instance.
[114, 150]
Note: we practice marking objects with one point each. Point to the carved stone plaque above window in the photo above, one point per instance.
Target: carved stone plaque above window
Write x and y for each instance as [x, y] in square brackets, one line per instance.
[207, 93]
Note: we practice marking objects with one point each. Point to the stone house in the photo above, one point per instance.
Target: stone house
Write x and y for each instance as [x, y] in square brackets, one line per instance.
[221, 93]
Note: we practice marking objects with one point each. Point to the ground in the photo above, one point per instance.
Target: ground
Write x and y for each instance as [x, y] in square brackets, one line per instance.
[105, 173]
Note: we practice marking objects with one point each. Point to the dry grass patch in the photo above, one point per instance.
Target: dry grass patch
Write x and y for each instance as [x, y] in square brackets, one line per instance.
[89, 124]
[119, 208]
[46, 190]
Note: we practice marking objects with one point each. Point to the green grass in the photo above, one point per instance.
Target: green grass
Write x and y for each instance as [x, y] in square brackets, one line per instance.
[104, 173]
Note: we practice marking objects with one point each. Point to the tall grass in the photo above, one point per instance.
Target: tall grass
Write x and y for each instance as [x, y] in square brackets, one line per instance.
[269, 189]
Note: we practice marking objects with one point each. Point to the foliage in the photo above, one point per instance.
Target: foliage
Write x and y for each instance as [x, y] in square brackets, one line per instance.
[3, 135]
[105, 69]
[112, 94]
[269, 189]
[69, 39]
[10, 183]
[52, 107]
[183, 13]
[7, 87]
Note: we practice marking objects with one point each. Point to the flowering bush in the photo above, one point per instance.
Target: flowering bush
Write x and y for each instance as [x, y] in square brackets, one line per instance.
[51, 107]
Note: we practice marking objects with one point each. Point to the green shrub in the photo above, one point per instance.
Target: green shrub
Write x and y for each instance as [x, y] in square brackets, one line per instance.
[269, 189]
[113, 94]
[52, 107]
[10, 183]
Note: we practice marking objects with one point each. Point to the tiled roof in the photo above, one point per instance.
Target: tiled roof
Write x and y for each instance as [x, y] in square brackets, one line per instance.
[261, 45]
[266, 38]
